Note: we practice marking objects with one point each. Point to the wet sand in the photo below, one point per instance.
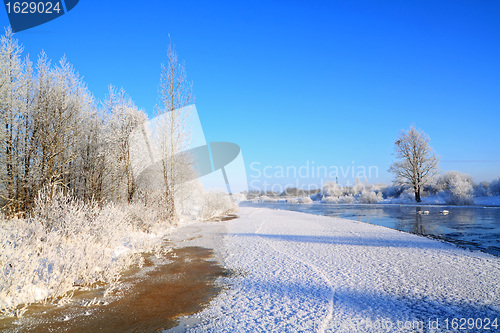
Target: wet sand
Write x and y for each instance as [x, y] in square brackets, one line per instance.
[152, 298]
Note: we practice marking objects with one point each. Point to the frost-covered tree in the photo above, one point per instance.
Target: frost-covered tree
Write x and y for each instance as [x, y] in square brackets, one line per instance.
[46, 118]
[175, 93]
[62, 102]
[25, 145]
[482, 189]
[10, 90]
[65, 173]
[331, 189]
[370, 197]
[417, 163]
[122, 117]
[54, 136]
[495, 187]
[459, 188]
[358, 187]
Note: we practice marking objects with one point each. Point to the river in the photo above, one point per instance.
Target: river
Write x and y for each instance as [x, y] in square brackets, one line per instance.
[474, 228]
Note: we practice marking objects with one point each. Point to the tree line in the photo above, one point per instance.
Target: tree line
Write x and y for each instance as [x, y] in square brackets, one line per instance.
[55, 135]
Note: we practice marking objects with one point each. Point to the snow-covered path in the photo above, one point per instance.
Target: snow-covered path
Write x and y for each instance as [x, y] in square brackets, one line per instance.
[298, 272]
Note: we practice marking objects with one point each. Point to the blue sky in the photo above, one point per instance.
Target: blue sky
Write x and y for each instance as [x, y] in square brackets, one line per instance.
[297, 83]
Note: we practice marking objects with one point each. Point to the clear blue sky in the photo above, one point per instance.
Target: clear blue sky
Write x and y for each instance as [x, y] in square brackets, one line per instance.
[329, 82]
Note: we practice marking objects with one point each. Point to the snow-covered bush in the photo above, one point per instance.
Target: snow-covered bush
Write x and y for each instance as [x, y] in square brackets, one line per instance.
[66, 243]
[195, 203]
[263, 198]
[378, 187]
[358, 187]
[495, 187]
[239, 197]
[216, 204]
[370, 197]
[305, 200]
[189, 198]
[347, 199]
[457, 188]
[482, 190]
[333, 200]
[331, 189]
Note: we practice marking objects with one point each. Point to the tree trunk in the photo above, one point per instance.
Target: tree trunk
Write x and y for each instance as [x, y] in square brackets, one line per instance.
[417, 194]
[170, 203]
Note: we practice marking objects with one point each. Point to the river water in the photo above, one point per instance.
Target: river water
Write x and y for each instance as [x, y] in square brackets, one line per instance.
[474, 228]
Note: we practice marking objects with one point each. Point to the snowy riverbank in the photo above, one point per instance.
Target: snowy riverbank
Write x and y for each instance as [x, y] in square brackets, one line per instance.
[435, 200]
[298, 272]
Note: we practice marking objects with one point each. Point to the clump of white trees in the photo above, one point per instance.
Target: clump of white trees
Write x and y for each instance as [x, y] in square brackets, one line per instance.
[452, 188]
[53, 134]
[358, 193]
[494, 187]
[71, 210]
[416, 174]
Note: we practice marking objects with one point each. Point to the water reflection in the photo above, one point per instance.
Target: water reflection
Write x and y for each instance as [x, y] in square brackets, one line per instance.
[475, 228]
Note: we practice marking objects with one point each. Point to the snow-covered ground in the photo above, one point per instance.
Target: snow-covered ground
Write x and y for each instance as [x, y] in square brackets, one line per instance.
[297, 272]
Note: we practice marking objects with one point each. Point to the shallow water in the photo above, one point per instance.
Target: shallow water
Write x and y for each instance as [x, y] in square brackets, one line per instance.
[475, 228]
[151, 298]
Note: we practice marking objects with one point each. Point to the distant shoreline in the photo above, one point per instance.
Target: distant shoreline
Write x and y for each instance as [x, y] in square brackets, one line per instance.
[382, 203]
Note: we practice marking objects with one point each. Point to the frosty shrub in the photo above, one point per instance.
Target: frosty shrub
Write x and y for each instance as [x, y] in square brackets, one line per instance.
[331, 189]
[495, 187]
[378, 187]
[189, 198]
[358, 187]
[53, 133]
[482, 190]
[216, 204]
[333, 200]
[305, 200]
[370, 197]
[347, 199]
[66, 243]
[239, 197]
[265, 198]
[457, 188]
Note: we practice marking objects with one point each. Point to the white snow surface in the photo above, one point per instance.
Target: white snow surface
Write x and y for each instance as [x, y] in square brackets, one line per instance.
[297, 272]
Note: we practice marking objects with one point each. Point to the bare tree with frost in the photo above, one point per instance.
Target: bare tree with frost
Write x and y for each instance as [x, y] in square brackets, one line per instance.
[175, 93]
[10, 88]
[417, 163]
[63, 100]
[123, 117]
